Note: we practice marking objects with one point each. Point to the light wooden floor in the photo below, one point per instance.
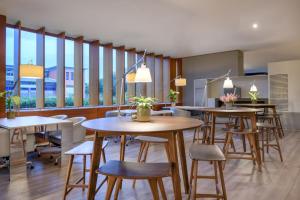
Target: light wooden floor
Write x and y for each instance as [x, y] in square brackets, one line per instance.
[278, 181]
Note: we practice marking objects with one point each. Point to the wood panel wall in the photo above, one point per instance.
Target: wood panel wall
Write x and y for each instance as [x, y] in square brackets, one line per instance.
[60, 81]
[107, 75]
[2, 62]
[130, 62]
[166, 79]
[158, 83]
[150, 64]
[78, 72]
[94, 73]
[40, 60]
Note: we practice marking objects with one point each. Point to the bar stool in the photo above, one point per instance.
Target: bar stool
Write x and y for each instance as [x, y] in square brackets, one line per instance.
[247, 133]
[273, 119]
[146, 141]
[85, 149]
[266, 131]
[211, 153]
[153, 172]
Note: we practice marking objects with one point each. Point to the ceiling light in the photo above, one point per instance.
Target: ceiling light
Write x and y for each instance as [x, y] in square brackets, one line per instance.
[254, 25]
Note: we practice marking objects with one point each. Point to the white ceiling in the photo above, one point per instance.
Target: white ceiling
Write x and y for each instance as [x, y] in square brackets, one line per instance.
[177, 28]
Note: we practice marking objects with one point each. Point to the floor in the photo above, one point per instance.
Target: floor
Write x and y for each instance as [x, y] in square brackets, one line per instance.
[277, 181]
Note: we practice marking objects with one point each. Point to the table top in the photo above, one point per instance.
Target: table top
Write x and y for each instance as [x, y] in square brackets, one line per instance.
[23, 122]
[153, 112]
[256, 105]
[218, 110]
[127, 125]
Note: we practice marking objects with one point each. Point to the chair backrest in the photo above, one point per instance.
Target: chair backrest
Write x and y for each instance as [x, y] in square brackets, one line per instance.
[4, 142]
[77, 120]
[79, 132]
[59, 116]
[181, 113]
[112, 113]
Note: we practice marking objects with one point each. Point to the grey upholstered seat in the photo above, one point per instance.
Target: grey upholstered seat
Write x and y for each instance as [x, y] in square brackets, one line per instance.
[204, 152]
[132, 170]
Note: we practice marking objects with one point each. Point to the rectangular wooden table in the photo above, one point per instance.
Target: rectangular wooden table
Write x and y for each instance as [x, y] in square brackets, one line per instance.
[17, 152]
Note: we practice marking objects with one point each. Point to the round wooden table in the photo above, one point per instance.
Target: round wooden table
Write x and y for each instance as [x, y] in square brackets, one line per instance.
[167, 127]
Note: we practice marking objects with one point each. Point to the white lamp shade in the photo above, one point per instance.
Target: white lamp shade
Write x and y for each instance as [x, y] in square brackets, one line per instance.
[253, 88]
[228, 83]
[31, 71]
[180, 82]
[143, 75]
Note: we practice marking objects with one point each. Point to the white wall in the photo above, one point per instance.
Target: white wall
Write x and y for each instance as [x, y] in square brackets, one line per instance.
[292, 69]
[215, 89]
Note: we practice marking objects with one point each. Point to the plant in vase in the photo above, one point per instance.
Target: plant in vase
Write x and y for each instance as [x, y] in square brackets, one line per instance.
[173, 96]
[228, 99]
[254, 96]
[11, 102]
[143, 107]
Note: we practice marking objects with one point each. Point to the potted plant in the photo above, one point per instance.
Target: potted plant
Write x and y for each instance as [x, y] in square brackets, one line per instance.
[254, 96]
[143, 107]
[12, 101]
[173, 96]
[228, 100]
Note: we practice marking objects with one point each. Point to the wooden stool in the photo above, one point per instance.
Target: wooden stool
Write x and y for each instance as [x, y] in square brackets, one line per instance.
[211, 153]
[153, 172]
[273, 119]
[239, 155]
[146, 141]
[206, 129]
[85, 149]
[269, 130]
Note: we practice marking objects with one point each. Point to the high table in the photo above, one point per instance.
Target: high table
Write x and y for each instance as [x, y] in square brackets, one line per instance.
[17, 153]
[167, 127]
[222, 112]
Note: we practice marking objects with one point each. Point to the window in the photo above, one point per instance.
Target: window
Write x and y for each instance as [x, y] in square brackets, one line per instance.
[72, 76]
[67, 75]
[114, 78]
[101, 75]
[28, 56]
[86, 71]
[69, 68]
[50, 70]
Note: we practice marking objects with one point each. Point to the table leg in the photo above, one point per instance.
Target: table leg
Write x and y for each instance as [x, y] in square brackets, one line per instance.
[94, 165]
[122, 147]
[175, 168]
[181, 147]
[256, 143]
[213, 129]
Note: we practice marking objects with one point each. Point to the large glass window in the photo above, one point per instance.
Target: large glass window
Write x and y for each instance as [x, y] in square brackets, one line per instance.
[28, 56]
[101, 75]
[50, 70]
[114, 77]
[9, 59]
[69, 69]
[86, 65]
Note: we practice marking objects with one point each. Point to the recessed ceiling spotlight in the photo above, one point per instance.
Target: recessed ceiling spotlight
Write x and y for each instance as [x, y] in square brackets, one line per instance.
[255, 25]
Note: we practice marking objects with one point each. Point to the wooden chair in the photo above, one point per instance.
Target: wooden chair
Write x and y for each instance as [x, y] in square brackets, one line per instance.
[146, 141]
[153, 172]
[211, 153]
[266, 131]
[249, 135]
[85, 149]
